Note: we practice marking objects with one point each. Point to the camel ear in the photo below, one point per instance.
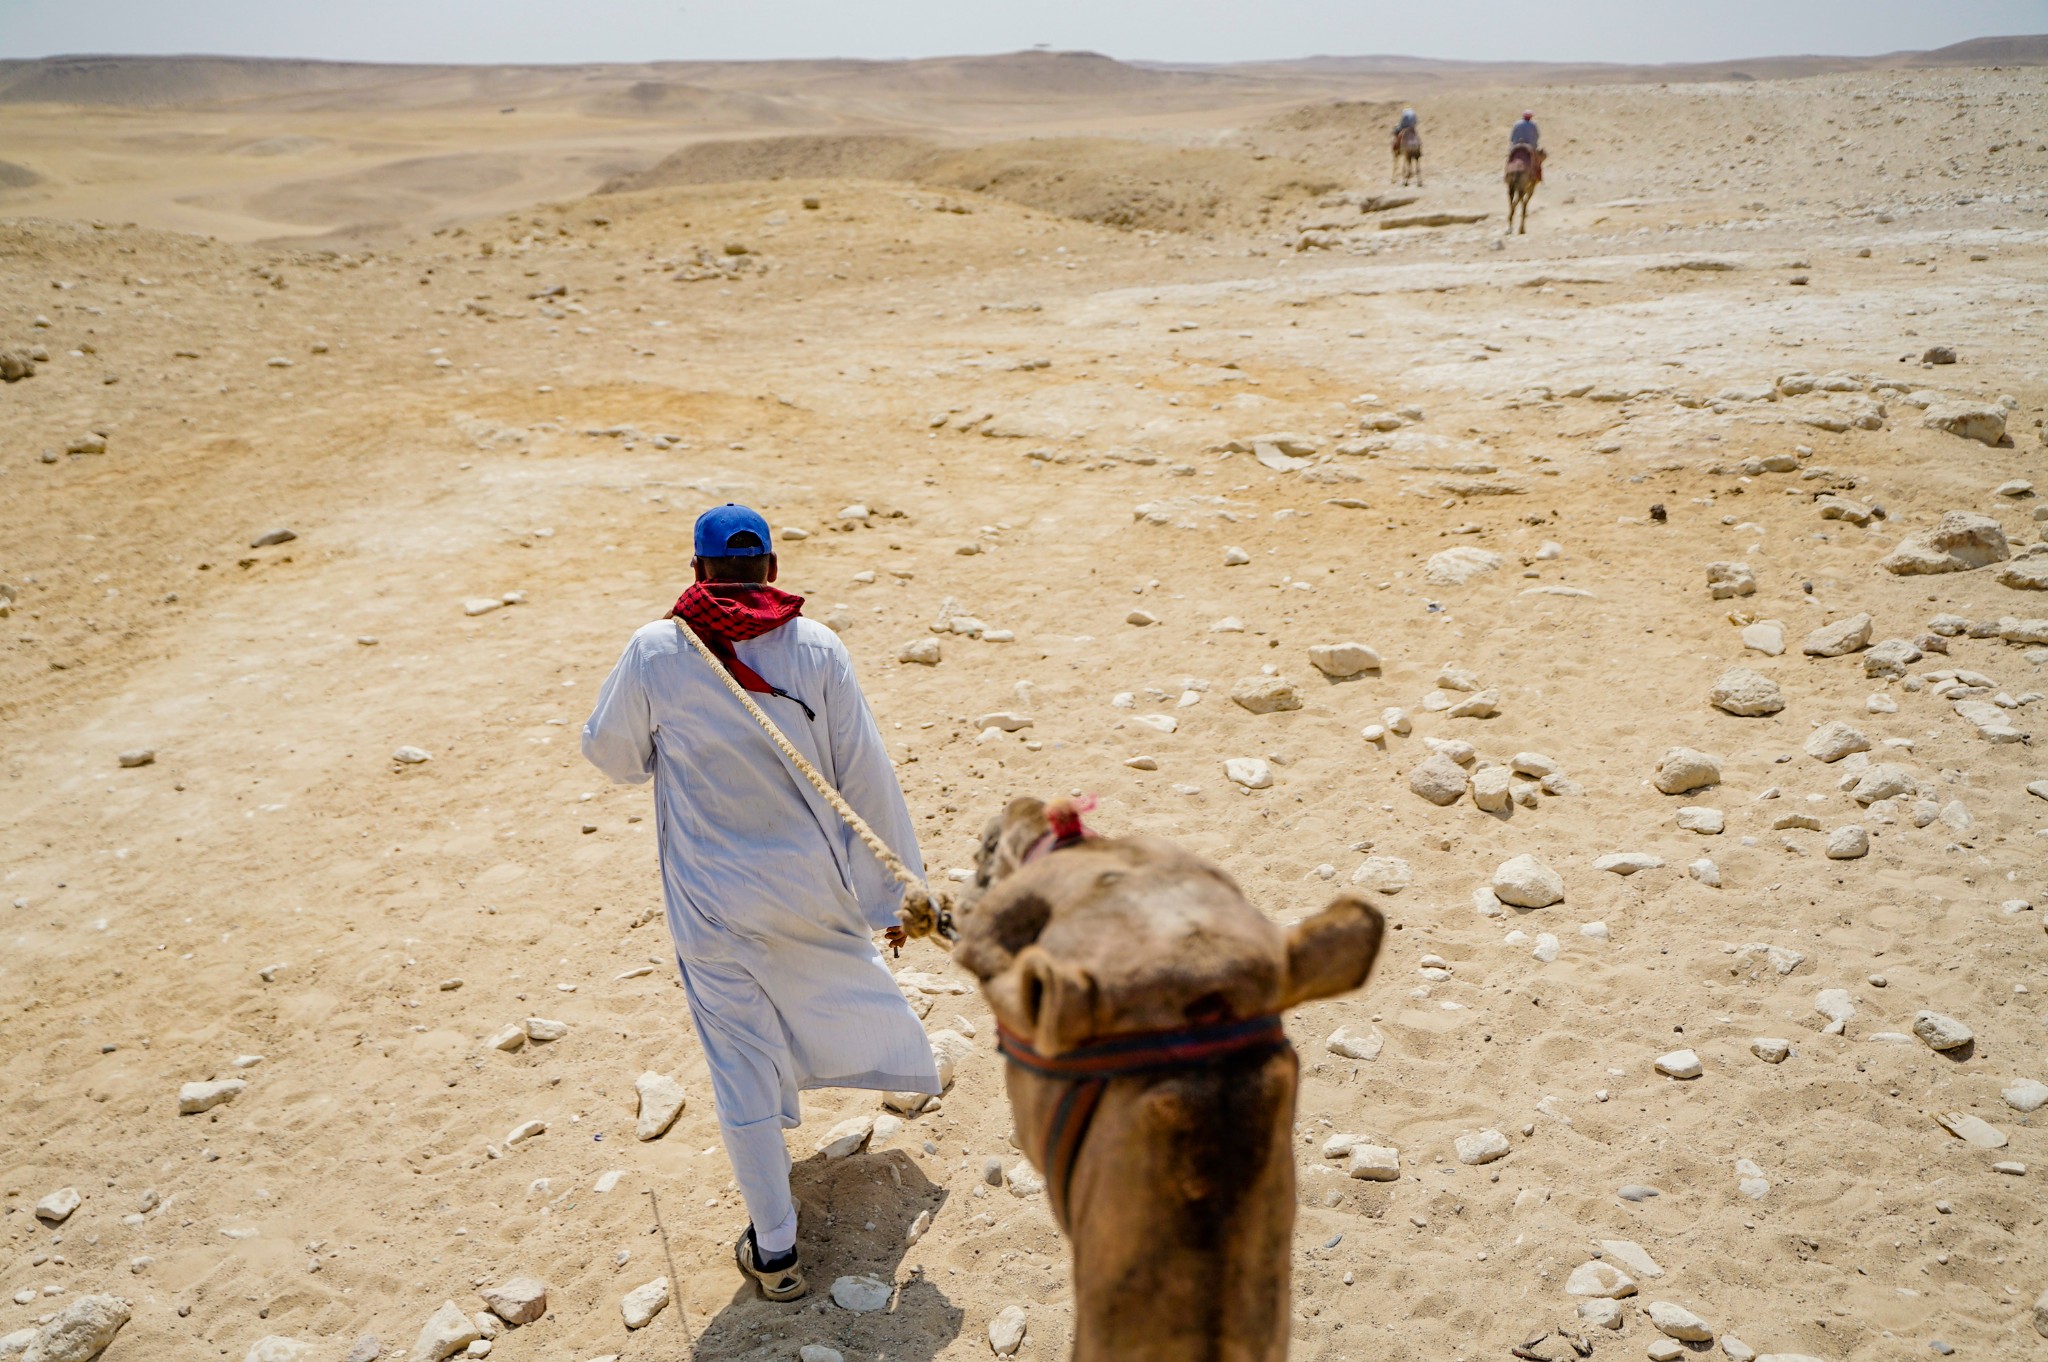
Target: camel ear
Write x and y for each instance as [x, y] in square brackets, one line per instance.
[1333, 951]
[1050, 1003]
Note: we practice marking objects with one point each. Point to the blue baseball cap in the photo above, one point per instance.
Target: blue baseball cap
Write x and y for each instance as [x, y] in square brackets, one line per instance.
[719, 526]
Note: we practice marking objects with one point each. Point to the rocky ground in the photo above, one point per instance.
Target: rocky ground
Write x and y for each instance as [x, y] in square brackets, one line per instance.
[1691, 545]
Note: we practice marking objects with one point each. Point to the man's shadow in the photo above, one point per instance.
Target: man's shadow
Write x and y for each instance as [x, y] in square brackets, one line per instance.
[854, 1217]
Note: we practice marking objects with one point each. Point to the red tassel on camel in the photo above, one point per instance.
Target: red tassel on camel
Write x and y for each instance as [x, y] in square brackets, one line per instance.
[1063, 816]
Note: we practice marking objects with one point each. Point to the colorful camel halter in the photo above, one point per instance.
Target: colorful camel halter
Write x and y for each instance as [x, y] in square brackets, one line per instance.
[1089, 1070]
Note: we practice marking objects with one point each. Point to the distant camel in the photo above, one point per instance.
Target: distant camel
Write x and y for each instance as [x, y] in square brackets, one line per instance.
[1525, 172]
[1139, 1001]
[1407, 155]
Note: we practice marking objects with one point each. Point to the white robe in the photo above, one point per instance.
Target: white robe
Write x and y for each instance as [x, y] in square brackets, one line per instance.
[771, 899]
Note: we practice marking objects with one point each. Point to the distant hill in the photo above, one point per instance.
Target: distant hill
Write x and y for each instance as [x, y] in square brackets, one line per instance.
[148, 81]
[793, 93]
[2029, 49]
[655, 88]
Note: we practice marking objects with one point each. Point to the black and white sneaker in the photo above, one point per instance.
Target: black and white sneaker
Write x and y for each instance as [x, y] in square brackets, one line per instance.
[780, 1278]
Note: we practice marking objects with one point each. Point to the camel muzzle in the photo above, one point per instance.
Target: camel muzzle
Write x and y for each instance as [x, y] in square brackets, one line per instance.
[1089, 1069]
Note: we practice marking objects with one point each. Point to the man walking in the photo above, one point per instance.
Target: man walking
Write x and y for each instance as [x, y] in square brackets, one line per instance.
[772, 902]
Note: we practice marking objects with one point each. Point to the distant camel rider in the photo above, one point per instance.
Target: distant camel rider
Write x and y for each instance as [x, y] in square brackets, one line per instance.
[1408, 148]
[1524, 133]
[1525, 146]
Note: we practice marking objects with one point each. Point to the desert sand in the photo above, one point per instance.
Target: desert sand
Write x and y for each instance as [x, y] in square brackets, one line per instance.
[1124, 387]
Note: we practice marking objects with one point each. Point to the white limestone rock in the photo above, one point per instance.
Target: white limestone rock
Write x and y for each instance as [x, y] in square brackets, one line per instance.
[1833, 741]
[1725, 580]
[2025, 574]
[278, 1348]
[1971, 1130]
[640, 1305]
[1746, 694]
[922, 651]
[517, 1300]
[1628, 862]
[1706, 872]
[1600, 1280]
[1374, 1163]
[1439, 780]
[863, 1294]
[1481, 1146]
[661, 1100]
[1889, 659]
[1455, 567]
[1708, 822]
[1675, 1321]
[1383, 874]
[848, 1137]
[79, 1332]
[1341, 661]
[1837, 1006]
[1886, 780]
[1367, 1047]
[1771, 1049]
[1764, 636]
[194, 1098]
[1680, 1064]
[1484, 704]
[545, 1029]
[1993, 722]
[1960, 542]
[1632, 1257]
[1684, 770]
[1493, 788]
[1843, 636]
[1006, 1330]
[1849, 843]
[447, 1331]
[1983, 422]
[1252, 773]
[56, 1208]
[1601, 1313]
[1941, 1032]
[2026, 1095]
[1526, 882]
[1266, 694]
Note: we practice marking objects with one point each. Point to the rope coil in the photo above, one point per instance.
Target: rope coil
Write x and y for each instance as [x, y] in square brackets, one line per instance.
[923, 912]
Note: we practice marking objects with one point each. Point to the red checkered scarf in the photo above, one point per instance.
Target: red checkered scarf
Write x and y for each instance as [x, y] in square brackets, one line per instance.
[725, 613]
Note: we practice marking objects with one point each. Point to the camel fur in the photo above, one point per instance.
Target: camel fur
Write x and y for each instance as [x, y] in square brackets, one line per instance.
[1522, 177]
[1181, 1200]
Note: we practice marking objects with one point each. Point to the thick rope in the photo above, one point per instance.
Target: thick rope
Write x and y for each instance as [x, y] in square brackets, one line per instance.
[923, 913]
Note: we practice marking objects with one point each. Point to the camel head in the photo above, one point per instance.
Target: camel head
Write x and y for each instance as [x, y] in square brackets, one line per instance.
[1139, 994]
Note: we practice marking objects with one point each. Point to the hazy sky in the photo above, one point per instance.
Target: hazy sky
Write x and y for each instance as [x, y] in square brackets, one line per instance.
[1167, 30]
